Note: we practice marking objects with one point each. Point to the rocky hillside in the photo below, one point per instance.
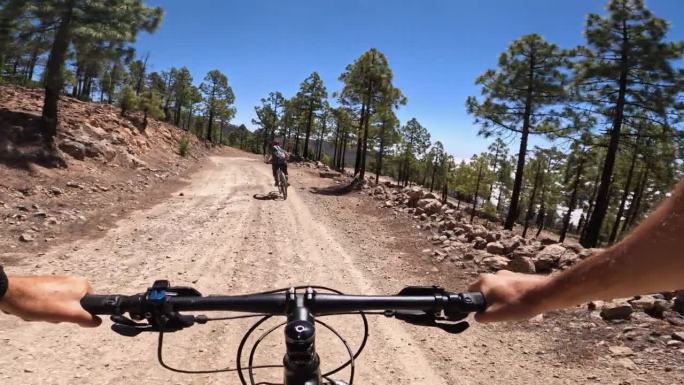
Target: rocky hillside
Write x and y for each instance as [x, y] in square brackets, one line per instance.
[489, 248]
[113, 166]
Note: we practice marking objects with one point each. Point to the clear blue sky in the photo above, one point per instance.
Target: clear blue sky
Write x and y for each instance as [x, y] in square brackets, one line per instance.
[436, 48]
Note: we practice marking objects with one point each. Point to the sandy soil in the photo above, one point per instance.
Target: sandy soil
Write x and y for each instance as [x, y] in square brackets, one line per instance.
[213, 235]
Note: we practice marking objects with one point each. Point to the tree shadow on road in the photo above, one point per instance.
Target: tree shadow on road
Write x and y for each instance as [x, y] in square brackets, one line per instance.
[337, 190]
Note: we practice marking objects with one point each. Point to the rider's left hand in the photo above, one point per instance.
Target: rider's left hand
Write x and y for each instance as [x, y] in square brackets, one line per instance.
[48, 298]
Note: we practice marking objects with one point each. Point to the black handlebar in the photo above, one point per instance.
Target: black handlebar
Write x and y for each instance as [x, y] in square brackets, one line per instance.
[277, 303]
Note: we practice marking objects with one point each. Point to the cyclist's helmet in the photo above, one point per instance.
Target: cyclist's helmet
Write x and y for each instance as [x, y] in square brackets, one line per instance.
[275, 143]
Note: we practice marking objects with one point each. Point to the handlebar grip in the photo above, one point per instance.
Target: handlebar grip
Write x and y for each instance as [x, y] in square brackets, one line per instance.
[474, 301]
[99, 304]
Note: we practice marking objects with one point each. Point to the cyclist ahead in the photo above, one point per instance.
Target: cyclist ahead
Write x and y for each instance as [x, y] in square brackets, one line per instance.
[278, 159]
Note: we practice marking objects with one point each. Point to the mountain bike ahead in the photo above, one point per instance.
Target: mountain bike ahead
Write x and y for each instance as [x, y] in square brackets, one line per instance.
[160, 306]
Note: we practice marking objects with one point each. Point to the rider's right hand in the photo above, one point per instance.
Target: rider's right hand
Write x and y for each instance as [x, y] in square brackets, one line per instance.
[510, 296]
[48, 298]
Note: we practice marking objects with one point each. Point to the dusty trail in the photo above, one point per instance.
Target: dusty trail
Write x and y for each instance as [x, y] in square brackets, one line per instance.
[219, 239]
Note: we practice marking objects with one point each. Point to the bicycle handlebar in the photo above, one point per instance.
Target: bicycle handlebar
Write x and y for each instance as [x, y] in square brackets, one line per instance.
[277, 303]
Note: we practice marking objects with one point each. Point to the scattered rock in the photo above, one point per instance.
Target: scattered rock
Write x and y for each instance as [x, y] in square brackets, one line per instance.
[595, 305]
[678, 304]
[621, 351]
[574, 246]
[616, 310]
[679, 336]
[479, 243]
[73, 184]
[495, 248]
[651, 305]
[74, 149]
[511, 244]
[26, 237]
[521, 264]
[56, 191]
[495, 262]
[430, 206]
[626, 363]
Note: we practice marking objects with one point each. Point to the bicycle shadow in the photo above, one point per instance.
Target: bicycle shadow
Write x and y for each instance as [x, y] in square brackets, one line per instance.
[271, 196]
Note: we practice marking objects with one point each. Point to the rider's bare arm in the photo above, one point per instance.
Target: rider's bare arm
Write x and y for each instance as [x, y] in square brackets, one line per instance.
[48, 298]
[649, 260]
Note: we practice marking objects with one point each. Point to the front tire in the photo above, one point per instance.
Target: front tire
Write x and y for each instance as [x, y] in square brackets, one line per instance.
[282, 183]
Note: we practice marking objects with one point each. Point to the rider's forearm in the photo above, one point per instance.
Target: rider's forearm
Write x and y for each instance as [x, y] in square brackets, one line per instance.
[649, 260]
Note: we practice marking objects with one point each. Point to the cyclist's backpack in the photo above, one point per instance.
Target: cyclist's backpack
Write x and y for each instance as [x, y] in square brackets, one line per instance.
[280, 156]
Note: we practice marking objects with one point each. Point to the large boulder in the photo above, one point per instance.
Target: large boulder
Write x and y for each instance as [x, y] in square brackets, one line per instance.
[430, 206]
[477, 231]
[414, 193]
[510, 244]
[521, 265]
[495, 248]
[523, 251]
[101, 148]
[75, 149]
[495, 262]
[547, 259]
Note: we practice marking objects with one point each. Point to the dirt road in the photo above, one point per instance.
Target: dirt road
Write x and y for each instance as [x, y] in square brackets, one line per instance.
[219, 239]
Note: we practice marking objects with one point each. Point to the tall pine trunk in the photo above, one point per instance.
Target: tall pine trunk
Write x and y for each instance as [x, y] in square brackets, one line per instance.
[603, 197]
[517, 183]
[477, 191]
[53, 77]
[530, 207]
[364, 150]
[625, 194]
[309, 124]
[636, 204]
[357, 163]
[572, 202]
[378, 166]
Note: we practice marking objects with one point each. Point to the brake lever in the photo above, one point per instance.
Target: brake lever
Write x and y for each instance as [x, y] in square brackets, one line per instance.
[421, 318]
[127, 327]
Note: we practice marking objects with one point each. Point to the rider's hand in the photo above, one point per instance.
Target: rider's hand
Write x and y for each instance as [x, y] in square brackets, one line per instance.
[510, 296]
[48, 298]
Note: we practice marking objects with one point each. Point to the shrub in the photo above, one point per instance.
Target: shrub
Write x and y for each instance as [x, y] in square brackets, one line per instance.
[184, 146]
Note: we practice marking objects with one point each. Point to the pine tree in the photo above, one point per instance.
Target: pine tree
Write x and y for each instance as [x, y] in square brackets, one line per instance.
[518, 97]
[627, 70]
[416, 140]
[218, 99]
[312, 94]
[116, 21]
